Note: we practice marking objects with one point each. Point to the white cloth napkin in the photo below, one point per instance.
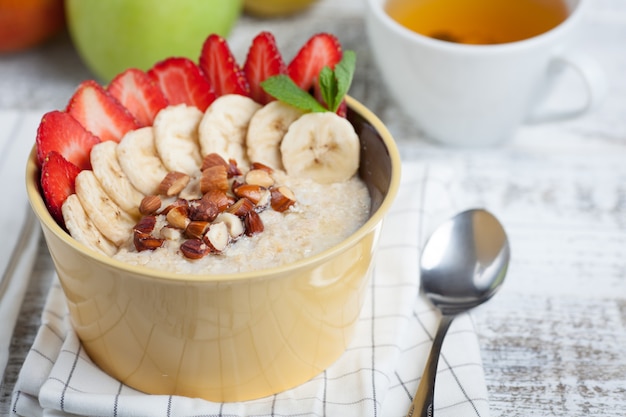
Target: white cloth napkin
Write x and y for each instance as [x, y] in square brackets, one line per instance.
[376, 376]
[19, 229]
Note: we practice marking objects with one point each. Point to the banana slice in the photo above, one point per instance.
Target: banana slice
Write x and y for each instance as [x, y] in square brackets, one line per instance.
[176, 138]
[224, 125]
[266, 130]
[109, 173]
[113, 222]
[82, 228]
[138, 158]
[321, 146]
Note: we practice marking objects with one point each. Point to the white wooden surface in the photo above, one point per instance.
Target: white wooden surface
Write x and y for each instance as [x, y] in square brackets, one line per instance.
[554, 339]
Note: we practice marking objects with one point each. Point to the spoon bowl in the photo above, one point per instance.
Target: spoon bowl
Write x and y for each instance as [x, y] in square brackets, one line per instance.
[463, 264]
[464, 261]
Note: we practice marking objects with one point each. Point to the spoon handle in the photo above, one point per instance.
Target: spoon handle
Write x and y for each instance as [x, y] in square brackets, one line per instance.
[422, 405]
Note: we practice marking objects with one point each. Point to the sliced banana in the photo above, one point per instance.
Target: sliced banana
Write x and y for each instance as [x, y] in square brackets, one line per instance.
[176, 138]
[82, 228]
[113, 179]
[266, 130]
[138, 158]
[113, 222]
[321, 146]
[224, 125]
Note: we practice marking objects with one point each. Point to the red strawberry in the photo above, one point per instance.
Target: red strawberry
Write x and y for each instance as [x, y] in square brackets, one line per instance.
[263, 61]
[182, 82]
[100, 113]
[342, 110]
[60, 132]
[319, 51]
[221, 69]
[136, 91]
[57, 183]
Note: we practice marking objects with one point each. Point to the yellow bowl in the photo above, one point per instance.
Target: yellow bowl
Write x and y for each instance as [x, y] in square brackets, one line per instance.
[225, 337]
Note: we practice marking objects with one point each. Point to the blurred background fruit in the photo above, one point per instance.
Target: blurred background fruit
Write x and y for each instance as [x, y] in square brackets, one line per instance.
[112, 35]
[27, 23]
[275, 8]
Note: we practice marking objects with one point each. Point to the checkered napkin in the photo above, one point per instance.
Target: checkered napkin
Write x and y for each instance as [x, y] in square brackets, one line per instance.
[18, 226]
[376, 376]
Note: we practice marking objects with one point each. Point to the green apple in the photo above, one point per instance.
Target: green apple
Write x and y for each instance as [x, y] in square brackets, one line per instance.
[275, 8]
[112, 35]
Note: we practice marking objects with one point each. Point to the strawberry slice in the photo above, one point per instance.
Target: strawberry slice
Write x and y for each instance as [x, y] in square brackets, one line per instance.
[100, 113]
[263, 61]
[58, 177]
[136, 91]
[221, 69]
[62, 133]
[322, 49]
[182, 82]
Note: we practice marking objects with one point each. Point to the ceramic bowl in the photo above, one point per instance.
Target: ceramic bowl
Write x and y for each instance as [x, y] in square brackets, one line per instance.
[225, 337]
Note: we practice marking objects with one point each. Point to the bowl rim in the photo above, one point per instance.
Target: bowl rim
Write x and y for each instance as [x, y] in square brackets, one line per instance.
[40, 209]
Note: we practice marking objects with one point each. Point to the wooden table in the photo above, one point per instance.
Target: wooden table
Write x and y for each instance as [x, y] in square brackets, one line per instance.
[554, 340]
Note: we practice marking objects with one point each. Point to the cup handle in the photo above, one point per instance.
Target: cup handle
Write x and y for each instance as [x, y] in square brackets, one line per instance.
[594, 82]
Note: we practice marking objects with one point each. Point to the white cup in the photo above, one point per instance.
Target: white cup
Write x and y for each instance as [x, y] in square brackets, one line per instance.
[477, 95]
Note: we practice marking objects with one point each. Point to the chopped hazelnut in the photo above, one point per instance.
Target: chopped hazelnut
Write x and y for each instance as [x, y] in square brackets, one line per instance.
[194, 249]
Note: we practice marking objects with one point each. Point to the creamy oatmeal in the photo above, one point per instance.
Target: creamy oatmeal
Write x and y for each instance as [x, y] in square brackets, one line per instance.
[323, 216]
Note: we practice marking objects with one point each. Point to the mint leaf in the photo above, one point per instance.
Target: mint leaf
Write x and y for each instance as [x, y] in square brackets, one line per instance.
[328, 87]
[333, 84]
[284, 89]
[344, 72]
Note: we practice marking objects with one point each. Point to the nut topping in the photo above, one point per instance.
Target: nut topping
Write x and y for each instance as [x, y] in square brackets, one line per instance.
[173, 183]
[179, 202]
[192, 190]
[209, 211]
[262, 166]
[259, 177]
[282, 198]
[145, 225]
[241, 207]
[233, 223]
[220, 198]
[197, 229]
[253, 223]
[146, 242]
[204, 210]
[214, 178]
[213, 159]
[178, 217]
[264, 201]
[194, 249]
[150, 204]
[233, 169]
[142, 235]
[252, 192]
[218, 237]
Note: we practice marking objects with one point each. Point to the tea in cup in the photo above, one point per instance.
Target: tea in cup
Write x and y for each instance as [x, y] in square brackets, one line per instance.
[469, 72]
[478, 22]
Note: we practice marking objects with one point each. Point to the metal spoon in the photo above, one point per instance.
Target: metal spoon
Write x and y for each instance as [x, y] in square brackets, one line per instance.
[462, 265]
